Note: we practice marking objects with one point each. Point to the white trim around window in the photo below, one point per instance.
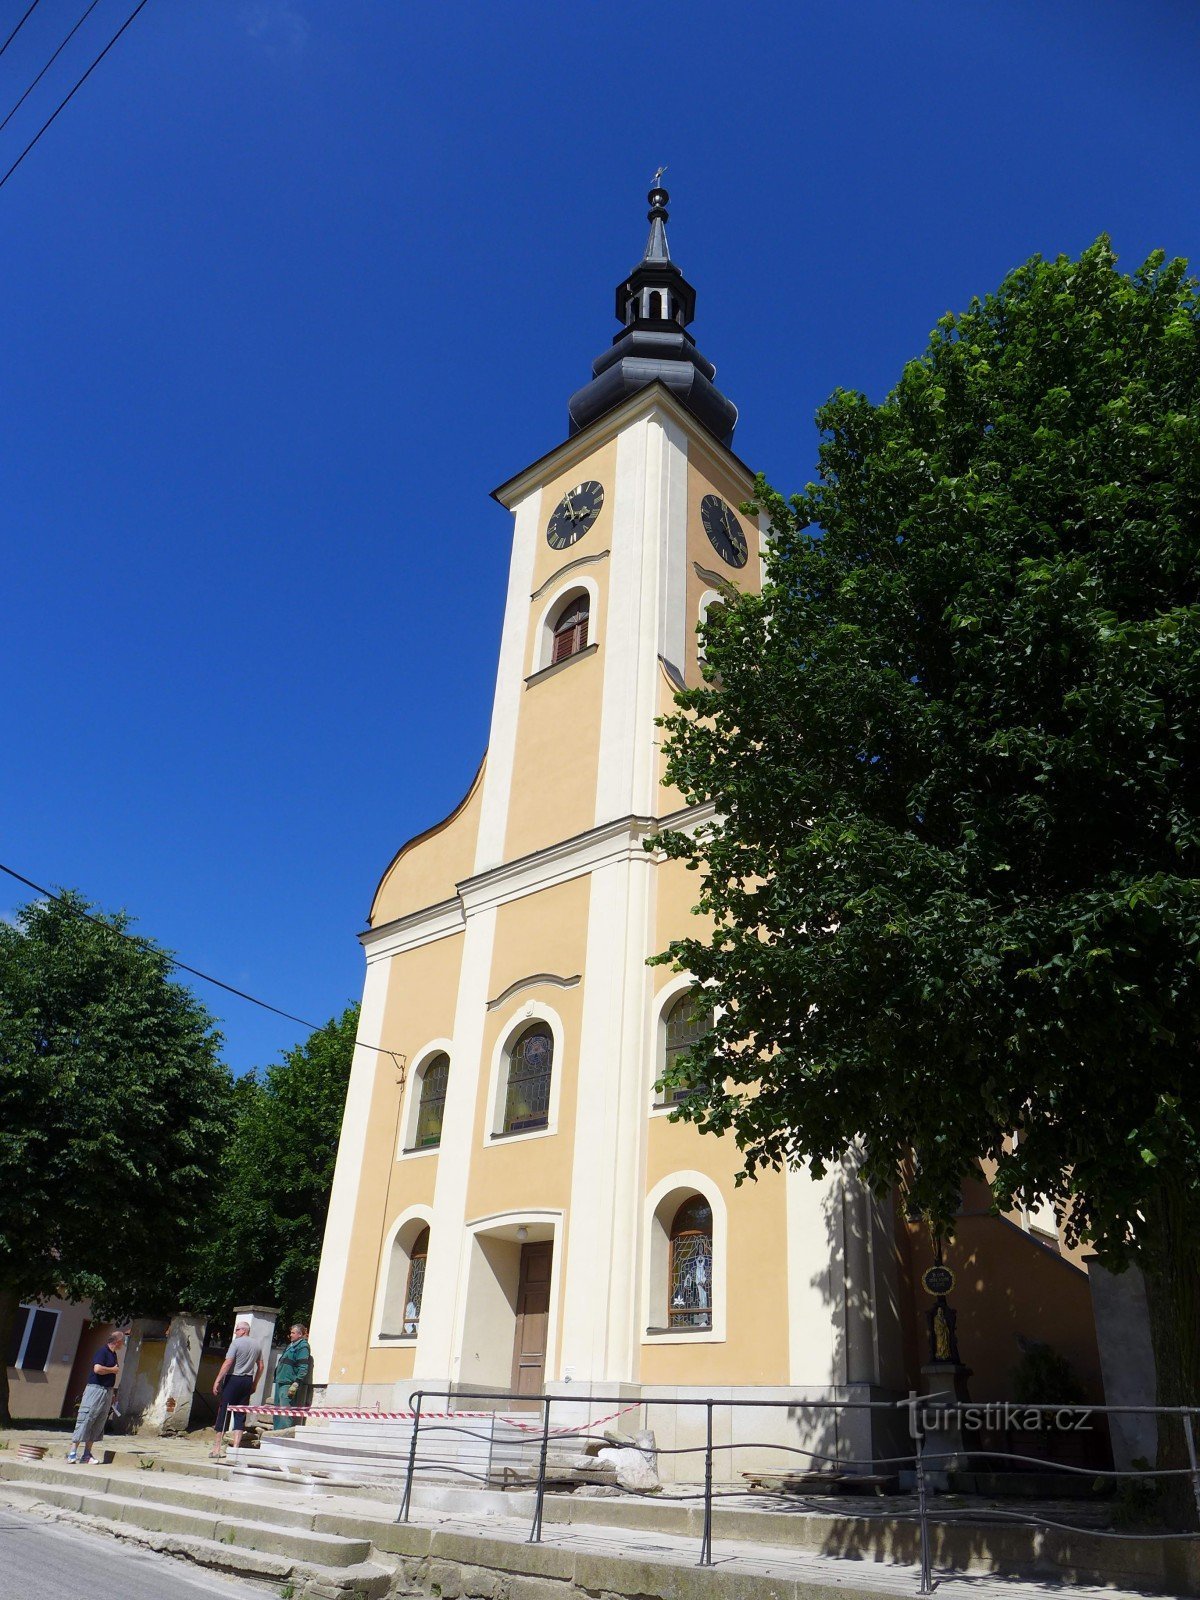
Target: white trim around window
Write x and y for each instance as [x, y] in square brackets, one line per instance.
[412, 1097]
[395, 1258]
[524, 1017]
[661, 1204]
[543, 631]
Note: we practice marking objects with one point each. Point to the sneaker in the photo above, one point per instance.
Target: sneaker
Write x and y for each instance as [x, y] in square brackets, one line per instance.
[87, 1459]
[71, 1456]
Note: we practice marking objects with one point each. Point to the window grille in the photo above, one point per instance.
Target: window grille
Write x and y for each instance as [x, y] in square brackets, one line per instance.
[416, 1282]
[691, 1266]
[687, 1022]
[571, 630]
[433, 1103]
[527, 1097]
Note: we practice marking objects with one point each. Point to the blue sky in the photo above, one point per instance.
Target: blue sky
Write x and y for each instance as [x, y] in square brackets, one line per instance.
[292, 284]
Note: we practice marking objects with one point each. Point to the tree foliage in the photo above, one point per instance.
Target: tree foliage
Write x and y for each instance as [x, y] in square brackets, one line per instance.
[274, 1177]
[114, 1106]
[953, 754]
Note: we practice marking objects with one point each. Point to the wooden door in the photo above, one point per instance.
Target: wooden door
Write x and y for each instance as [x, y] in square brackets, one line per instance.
[533, 1318]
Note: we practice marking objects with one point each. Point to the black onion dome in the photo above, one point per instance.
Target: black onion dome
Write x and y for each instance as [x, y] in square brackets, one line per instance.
[655, 305]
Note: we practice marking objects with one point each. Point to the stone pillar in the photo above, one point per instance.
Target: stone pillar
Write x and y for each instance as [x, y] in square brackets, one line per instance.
[1126, 1360]
[262, 1330]
[138, 1377]
[171, 1408]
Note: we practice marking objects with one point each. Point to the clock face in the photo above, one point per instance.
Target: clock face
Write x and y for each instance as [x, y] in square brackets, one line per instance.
[724, 530]
[574, 514]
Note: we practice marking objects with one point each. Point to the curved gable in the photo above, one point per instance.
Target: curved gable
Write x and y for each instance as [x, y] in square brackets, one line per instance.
[429, 867]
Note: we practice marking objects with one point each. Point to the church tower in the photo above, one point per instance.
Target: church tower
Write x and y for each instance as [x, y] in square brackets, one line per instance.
[521, 1213]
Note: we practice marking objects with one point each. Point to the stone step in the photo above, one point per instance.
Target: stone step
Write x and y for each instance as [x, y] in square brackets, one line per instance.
[166, 1516]
[361, 1580]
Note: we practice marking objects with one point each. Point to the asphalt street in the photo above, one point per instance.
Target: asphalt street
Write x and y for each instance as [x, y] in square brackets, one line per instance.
[42, 1560]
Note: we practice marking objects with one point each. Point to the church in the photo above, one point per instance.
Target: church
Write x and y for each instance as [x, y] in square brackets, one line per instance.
[517, 1211]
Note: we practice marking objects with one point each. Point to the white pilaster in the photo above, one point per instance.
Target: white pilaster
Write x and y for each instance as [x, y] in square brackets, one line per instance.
[437, 1354]
[815, 1288]
[600, 1314]
[348, 1170]
[510, 685]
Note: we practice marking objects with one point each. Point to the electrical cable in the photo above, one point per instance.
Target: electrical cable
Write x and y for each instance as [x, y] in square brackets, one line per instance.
[79, 83]
[148, 944]
[19, 26]
[49, 64]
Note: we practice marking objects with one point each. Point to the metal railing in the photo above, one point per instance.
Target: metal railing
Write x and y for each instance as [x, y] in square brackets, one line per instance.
[927, 1415]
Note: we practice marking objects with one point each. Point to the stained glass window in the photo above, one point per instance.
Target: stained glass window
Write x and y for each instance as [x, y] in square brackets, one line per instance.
[687, 1022]
[416, 1282]
[433, 1102]
[690, 1304]
[527, 1100]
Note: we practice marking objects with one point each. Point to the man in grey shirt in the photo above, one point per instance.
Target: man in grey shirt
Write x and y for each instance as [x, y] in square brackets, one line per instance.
[236, 1381]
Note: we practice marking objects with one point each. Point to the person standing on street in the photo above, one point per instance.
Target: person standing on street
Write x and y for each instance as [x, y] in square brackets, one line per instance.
[97, 1400]
[236, 1381]
[293, 1372]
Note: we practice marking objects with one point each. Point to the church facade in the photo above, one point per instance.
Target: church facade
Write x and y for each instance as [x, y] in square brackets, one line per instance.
[518, 1212]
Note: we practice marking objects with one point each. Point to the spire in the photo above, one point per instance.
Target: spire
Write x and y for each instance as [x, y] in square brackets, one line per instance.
[658, 250]
[655, 304]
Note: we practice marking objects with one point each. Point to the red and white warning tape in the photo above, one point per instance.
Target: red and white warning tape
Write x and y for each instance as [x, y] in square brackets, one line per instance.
[341, 1414]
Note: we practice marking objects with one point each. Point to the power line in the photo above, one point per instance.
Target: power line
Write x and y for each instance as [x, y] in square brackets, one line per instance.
[19, 26]
[48, 65]
[148, 944]
[62, 105]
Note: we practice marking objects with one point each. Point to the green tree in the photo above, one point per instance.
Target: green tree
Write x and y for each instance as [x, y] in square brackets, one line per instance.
[275, 1176]
[954, 759]
[113, 1107]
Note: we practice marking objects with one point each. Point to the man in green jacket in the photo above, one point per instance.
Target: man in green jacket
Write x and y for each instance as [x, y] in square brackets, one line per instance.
[293, 1374]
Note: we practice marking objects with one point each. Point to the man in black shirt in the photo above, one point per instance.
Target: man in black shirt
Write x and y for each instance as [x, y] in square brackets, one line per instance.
[97, 1400]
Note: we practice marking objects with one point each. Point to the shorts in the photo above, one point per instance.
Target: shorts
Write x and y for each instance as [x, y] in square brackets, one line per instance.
[237, 1387]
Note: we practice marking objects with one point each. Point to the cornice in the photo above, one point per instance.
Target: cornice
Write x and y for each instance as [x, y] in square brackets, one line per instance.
[419, 927]
[621, 840]
[654, 397]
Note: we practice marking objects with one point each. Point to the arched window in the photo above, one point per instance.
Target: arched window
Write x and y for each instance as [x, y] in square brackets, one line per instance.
[415, 1288]
[656, 306]
[530, 1066]
[432, 1090]
[689, 1292]
[685, 1024]
[571, 629]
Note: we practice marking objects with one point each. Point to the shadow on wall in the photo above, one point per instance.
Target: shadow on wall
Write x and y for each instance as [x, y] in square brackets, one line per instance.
[1013, 1290]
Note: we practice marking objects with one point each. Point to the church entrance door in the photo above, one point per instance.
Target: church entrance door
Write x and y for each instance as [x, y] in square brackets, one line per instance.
[533, 1318]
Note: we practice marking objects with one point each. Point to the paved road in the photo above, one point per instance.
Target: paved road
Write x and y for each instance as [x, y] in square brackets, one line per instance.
[41, 1560]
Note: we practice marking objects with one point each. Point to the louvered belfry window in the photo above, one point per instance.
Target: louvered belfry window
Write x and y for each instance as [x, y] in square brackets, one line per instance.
[415, 1288]
[571, 630]
[687, 1022]
[527, 1100]
[690, 1299]
[433, 1103]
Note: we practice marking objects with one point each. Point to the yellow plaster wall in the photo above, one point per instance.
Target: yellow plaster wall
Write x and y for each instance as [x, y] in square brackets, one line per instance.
[677, 891]
[756, 1344]
[427, 869]
[540, 933]
[600, 464]
[557, 757]
[421, 993]
[558, 725]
